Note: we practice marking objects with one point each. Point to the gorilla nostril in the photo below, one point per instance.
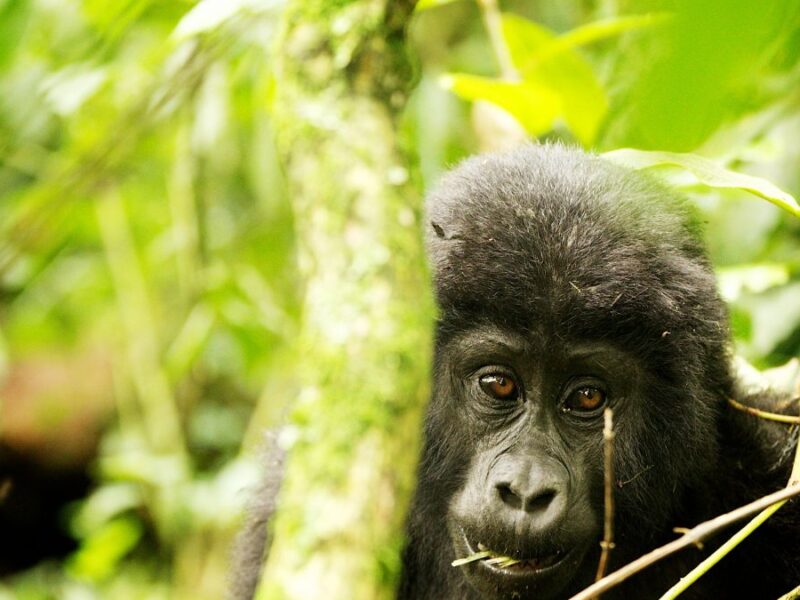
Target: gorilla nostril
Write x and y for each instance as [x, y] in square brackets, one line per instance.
[508, 496]
[539, 502]
[535, 501]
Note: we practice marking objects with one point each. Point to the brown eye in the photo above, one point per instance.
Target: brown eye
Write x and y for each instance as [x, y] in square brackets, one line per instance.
[585, 399]
[499, 386]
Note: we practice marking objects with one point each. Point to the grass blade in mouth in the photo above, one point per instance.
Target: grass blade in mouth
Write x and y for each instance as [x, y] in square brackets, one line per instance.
[472, 558]
[498, 560]
[502, 561]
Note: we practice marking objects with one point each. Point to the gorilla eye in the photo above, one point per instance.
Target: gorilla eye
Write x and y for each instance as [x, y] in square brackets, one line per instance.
[585, 399]
[499, 386]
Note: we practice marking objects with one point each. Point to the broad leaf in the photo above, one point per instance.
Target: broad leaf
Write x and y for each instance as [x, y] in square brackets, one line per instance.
[707, 173]
[534, 106]
[753, 278]
[601, 30]
[569, 76]
[425, 4]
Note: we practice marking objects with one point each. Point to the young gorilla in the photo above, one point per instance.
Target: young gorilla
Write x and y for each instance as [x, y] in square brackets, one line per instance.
[565, 285]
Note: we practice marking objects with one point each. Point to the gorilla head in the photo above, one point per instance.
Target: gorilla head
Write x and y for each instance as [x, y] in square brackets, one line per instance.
[565, 285]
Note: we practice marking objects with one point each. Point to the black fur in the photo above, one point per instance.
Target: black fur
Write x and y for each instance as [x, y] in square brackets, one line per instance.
[547, 249]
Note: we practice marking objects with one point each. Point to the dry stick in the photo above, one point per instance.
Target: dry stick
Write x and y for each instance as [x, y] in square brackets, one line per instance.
[766, 506]
[608, 465]
[764, 414]
[701, 569]
[692, 537]
[793, 595]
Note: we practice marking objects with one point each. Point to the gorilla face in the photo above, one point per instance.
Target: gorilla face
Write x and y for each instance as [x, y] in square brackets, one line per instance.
[534, 483]
[565, 286]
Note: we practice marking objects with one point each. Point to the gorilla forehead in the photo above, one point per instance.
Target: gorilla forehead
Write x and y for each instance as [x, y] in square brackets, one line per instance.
[543, 234]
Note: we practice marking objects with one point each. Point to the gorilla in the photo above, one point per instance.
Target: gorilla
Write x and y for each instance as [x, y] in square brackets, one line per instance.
[565, 285]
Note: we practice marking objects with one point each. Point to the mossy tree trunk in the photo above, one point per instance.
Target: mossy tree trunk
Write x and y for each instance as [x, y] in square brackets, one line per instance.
[342, 75]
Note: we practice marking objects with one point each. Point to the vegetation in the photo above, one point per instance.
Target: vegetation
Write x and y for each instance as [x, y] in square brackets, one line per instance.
[175, 240]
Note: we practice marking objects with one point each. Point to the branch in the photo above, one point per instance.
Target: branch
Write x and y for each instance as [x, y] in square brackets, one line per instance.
[692, 537]
[770, 416]
[608, 528]
[701, 569]
[793, 595]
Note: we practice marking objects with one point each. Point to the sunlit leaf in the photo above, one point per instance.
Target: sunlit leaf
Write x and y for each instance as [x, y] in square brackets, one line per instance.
[210, 14]
[105, 504]
[601, 30]
[707, 172]
[534, 106]
[754, 278]
[68, 89]
[101, 552]
[566, 73]
[425, 4]
[110, 17]
[190, 340]
[13, 18]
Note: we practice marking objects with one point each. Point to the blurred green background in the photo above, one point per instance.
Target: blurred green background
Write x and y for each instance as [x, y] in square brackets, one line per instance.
[149, 291]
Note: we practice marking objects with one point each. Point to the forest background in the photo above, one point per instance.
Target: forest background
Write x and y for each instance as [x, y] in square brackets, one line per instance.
[210, 226]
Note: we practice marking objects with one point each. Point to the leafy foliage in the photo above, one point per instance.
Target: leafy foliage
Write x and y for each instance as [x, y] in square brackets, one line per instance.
[707, 173]
[149, 287]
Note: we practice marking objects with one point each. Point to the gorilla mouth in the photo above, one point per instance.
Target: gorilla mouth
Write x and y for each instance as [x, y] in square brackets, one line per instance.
[542, 573]
[509, 565]
[526, 564]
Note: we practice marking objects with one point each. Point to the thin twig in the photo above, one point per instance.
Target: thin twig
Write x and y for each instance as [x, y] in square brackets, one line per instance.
[494, 26]
[770, 416]
[793, 595]
[608, 522]
[692, 537]
[701, 569]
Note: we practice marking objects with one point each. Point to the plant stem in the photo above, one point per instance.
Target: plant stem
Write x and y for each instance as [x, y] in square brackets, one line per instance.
[608, 528]
[701, 569]
[769, 416]
[691, 538]
[493, 21]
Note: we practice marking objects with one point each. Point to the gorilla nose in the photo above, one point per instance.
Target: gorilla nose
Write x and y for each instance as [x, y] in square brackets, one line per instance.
[531, 498]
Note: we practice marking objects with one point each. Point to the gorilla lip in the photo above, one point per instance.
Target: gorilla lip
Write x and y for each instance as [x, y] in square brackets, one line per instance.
[522, 566]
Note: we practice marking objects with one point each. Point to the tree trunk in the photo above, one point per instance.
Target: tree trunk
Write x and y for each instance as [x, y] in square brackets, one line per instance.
[342, 75]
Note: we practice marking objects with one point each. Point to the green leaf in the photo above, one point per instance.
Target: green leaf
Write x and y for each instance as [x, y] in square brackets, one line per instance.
[13, 19]
[707, 173]
[601, 30]
[753, 278]
[208, 15]
[426, 4]
[535, 106]
[100, 554]
[568, 75]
